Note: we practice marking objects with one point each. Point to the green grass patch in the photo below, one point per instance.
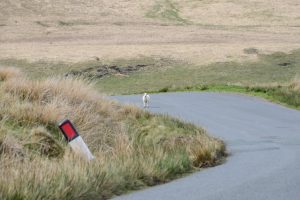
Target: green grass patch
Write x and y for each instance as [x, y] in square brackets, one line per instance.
[282, 94]
[251, 51]
[166, 75]
[273, 68]
[166, 10]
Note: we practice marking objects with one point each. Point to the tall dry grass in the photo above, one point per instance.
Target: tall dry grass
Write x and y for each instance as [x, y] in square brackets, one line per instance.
[7, 73]
[295, 84]
[133, 148]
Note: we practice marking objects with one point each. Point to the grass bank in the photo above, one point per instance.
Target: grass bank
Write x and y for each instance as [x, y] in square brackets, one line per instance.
[133, 148]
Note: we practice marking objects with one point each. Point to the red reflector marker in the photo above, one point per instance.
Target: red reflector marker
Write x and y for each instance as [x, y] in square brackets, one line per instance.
[68, 130]
[75, 141]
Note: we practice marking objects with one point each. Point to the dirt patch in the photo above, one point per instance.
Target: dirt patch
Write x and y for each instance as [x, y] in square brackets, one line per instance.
[107, 70]
[285, 64]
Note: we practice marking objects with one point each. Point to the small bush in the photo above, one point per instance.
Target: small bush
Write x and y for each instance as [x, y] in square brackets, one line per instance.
[204, 87]
[164, 89]
[188, 87]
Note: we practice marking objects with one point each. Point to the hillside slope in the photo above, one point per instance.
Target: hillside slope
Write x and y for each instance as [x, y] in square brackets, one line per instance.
[133, 148]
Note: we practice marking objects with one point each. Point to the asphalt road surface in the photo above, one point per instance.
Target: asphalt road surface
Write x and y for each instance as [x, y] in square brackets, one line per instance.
[263, 139]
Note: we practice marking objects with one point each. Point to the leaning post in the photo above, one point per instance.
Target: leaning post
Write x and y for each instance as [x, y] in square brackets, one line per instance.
[74, 139]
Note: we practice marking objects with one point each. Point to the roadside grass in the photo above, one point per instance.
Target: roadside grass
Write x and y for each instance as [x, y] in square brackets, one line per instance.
[133, 148]
[287, 94]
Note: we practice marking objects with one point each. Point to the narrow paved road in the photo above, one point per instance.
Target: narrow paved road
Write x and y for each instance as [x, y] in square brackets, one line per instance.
[263, 139]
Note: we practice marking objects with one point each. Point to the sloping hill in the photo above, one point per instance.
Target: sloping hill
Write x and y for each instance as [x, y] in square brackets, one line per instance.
[133, 148]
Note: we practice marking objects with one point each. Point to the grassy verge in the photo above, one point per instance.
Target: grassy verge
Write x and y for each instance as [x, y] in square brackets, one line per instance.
[286, 94]
[133, 148]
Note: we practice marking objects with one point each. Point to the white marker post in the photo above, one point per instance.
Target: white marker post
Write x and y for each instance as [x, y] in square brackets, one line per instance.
[75, 141]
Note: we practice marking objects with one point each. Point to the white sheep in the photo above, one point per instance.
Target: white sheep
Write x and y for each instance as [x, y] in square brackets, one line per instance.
[146, 99]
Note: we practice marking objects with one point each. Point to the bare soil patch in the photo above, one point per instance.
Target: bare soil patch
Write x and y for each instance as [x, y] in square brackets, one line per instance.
[106, 70]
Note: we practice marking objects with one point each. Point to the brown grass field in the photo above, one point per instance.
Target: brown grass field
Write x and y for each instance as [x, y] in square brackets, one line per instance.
[198, 32]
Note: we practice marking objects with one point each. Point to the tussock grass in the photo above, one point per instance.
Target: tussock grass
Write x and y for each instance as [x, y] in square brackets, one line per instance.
[133, 148]
[43, 143]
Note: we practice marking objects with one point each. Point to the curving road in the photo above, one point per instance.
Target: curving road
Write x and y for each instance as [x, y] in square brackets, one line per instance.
[263, 139]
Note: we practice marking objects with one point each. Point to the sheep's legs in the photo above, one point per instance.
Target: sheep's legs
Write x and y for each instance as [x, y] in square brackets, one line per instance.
[146, 105]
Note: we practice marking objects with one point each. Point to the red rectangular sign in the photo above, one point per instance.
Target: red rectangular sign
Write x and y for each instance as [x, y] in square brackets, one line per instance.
[68, 130]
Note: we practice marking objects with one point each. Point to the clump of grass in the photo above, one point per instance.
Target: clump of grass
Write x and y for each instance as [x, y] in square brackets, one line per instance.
[203, 87]
[251, 51]
[295, 85]
[133, 148]
[43, 143]
[9, 146]
[64, 23]
[166, 10]
[7, 73]
[42, 24]
[164, 89]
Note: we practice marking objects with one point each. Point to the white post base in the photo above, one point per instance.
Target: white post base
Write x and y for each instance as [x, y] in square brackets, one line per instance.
[79, 146]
